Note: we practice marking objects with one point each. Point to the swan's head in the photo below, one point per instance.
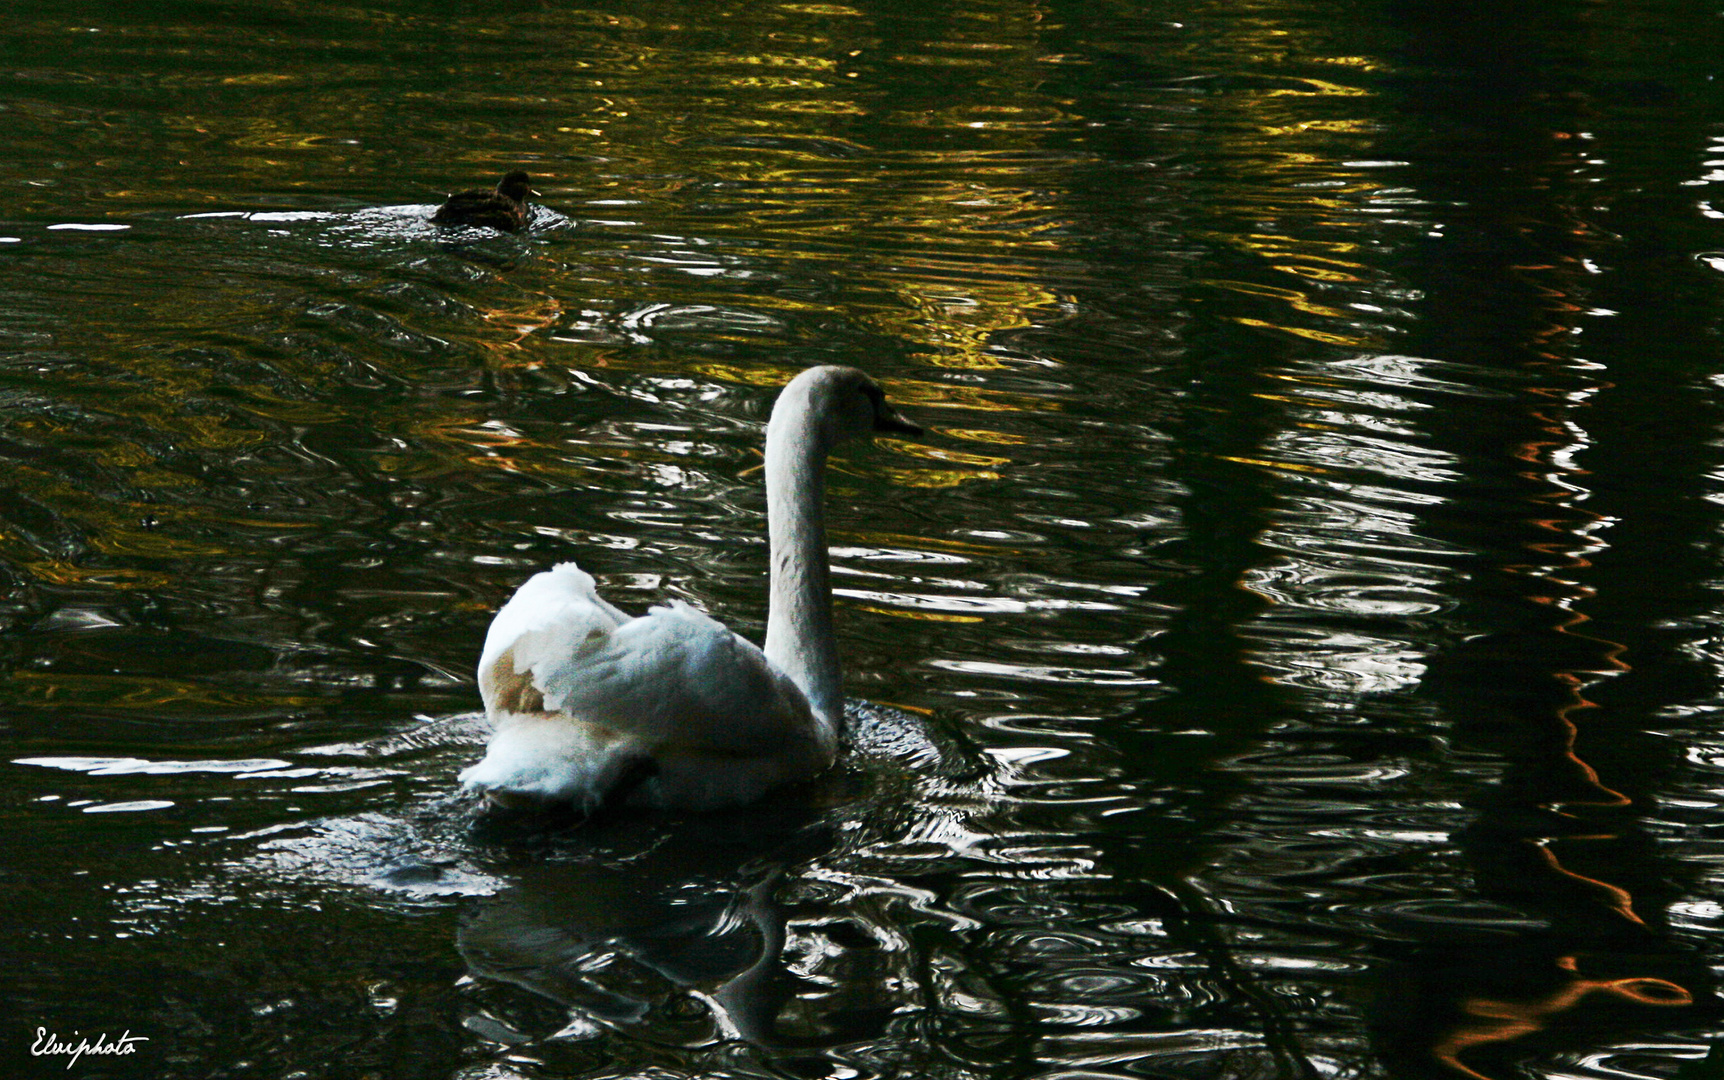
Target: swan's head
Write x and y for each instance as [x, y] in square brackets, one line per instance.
[839, 403]
[515, 186]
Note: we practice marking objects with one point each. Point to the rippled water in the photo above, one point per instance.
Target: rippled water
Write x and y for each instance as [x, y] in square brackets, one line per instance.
[1293, 653]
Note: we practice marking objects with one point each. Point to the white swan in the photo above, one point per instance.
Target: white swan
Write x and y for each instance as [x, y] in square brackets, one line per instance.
[671, 709]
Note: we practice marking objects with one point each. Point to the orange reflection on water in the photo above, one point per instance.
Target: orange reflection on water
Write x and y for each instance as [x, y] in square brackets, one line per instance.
[1505, 1021]
[1618, 899]
[1607, 796]
[517, 323]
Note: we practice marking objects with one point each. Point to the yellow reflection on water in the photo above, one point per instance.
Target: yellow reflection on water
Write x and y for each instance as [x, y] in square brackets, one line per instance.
[821, 9]
[1324, 336]
[136, 692]
[134, 542]
[65, 572]
[258, 78]
[904, 542]
[998, 438]
[936, 478]
[1279, 466]
[913, 613]
[938, 453]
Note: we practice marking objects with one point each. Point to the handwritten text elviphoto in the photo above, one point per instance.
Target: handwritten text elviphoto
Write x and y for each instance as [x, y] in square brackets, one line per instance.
[49, 1044]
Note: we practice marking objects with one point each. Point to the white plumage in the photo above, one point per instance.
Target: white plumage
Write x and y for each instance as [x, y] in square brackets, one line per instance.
[672, 709]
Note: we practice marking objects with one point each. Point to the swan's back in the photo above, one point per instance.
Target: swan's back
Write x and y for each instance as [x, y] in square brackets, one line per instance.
[583, 698]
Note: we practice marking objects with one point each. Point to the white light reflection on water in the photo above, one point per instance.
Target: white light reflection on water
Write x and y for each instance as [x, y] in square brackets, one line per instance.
[1350, 538]
[103, 766]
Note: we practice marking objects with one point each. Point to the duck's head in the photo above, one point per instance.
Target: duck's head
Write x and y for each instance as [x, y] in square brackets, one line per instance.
[516, 186]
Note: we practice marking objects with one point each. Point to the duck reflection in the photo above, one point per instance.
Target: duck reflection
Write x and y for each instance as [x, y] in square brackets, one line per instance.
[683, 936]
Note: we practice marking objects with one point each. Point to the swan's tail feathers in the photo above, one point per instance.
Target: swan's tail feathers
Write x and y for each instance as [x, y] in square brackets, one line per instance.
[535, 759]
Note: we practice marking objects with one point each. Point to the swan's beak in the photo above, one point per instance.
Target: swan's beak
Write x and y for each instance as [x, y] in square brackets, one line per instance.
[888, 422]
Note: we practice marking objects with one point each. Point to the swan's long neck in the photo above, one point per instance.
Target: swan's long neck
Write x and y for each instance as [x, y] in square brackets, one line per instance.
[799, 638]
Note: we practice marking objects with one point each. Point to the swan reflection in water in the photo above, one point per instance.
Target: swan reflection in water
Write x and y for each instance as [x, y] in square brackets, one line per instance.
[745, 924]
[689, 932]
[754, 925]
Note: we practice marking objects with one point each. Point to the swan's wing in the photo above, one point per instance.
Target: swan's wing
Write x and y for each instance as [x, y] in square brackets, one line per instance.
[553, 615]
[671, 680]
[680, 682]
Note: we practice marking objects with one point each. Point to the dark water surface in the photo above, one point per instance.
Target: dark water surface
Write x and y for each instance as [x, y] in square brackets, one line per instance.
[1294, 652]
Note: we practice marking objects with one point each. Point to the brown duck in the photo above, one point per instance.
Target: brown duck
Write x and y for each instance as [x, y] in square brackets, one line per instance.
[503, 207]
